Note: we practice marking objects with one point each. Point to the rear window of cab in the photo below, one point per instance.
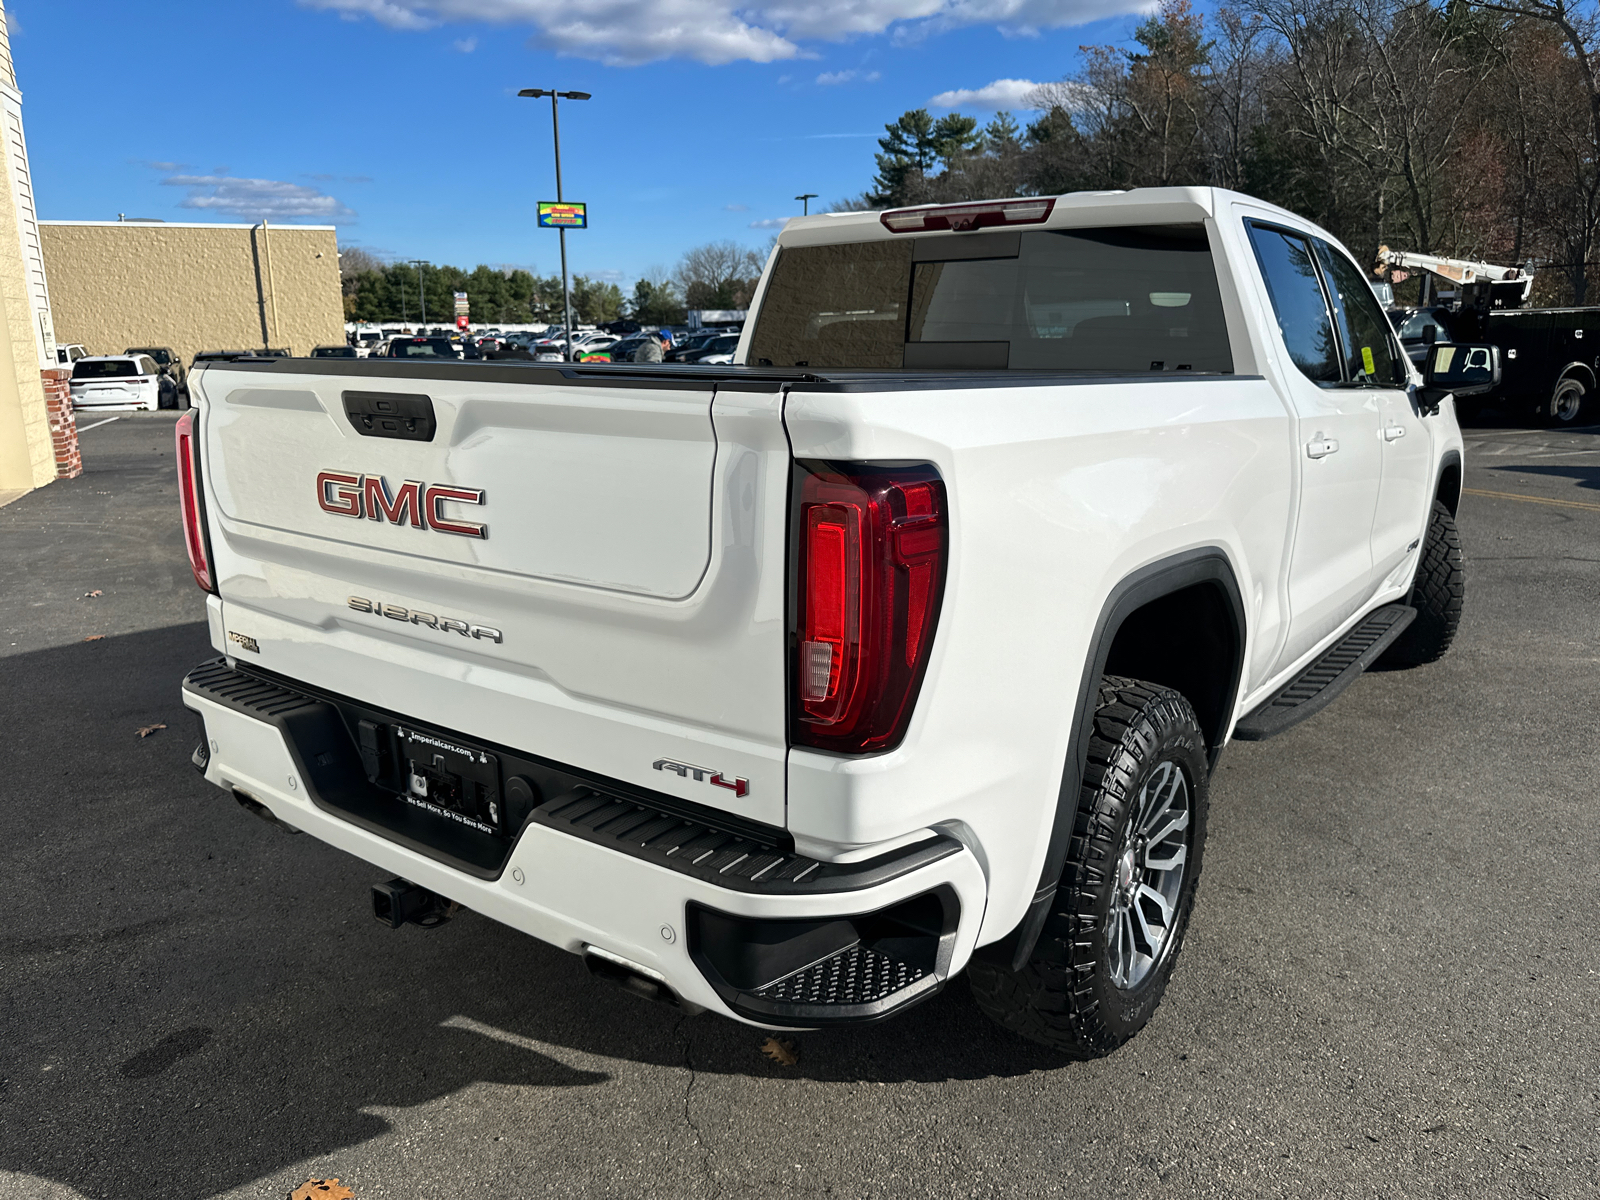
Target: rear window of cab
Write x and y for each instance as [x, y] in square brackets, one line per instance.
[1126, 299]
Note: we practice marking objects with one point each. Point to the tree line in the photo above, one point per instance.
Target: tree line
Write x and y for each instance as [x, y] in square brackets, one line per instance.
[719, 275]
[1469, 129]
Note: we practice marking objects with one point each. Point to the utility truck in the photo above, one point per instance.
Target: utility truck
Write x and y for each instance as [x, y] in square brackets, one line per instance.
[1551, 356]
[903, 647]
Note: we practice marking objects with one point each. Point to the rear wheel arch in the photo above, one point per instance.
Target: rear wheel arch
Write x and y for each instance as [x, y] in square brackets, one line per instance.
[1193, 596]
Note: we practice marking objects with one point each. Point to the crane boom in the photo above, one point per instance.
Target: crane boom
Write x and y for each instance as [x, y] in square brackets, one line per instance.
[1460, 271]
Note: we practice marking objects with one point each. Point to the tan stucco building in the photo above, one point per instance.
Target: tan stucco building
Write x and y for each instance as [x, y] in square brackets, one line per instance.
[193, 287]
[28, 453]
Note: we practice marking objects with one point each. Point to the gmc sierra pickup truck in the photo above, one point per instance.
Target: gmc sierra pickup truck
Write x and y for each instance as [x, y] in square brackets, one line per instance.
[902, 647]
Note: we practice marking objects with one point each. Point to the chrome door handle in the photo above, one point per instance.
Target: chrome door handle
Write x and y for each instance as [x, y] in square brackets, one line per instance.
[1321, 447]
[1390, 432]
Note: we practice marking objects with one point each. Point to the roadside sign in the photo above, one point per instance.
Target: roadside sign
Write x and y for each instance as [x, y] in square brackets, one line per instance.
[461, 321]
[461, 304]
[563, 215]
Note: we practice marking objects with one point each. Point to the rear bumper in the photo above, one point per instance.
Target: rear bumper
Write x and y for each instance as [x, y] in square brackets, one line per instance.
[712, 942]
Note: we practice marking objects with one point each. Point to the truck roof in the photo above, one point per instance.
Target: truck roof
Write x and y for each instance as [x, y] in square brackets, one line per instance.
[1140, 206]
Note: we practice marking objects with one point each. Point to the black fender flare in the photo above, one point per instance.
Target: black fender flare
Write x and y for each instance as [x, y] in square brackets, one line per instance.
[1205, 564]
[1447, 481]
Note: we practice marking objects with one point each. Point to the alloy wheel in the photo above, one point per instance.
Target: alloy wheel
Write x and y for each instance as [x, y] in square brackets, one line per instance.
[1148, 878]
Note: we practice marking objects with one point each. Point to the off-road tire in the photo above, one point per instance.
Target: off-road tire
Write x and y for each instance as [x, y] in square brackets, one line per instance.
[1065, 997]
[1569, 404]
[1438, 594]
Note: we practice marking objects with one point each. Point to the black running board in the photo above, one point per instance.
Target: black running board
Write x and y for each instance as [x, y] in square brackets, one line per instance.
[1311, 691]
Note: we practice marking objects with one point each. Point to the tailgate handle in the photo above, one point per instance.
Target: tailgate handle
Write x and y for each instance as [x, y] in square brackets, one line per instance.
[402, 415]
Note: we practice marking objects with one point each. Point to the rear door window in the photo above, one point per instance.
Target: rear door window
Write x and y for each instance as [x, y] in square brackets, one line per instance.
[1295, 288]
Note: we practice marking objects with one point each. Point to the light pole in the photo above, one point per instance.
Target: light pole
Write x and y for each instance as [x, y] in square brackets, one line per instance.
[555, 125]
[422, 295]
[805, 199]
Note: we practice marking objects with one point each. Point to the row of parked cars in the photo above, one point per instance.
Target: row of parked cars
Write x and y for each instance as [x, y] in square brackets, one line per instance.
[147, 378]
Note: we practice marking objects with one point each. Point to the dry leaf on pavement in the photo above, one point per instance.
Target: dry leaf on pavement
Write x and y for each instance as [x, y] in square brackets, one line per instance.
[96, 592]
[781, 1051]
[145, 731]
[95, 637]
[322, 1189]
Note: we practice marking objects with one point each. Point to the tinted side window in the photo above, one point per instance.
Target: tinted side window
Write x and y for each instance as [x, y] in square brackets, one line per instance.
[1298, 303]
[1368, 348]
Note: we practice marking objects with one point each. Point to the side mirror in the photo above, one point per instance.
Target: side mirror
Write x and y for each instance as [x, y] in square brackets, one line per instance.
[1460, 369]
[1430, 335]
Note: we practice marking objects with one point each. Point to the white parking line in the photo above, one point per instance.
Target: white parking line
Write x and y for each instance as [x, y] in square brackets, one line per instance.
[97, 424]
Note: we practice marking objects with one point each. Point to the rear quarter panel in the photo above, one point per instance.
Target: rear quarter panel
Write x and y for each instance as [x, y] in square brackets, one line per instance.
[1056, 493]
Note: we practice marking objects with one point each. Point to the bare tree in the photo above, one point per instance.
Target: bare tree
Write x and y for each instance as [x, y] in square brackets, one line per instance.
[718, 275]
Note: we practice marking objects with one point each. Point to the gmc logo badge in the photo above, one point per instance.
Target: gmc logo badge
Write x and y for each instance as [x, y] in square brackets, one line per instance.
[739, 787]
[417, 504]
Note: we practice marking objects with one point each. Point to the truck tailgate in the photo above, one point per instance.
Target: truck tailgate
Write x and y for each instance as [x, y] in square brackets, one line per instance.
[567, 566]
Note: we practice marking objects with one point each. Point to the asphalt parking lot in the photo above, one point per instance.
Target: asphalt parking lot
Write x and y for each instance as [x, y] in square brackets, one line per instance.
[1391, 985]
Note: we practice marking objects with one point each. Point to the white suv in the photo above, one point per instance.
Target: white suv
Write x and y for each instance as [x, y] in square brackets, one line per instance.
[117, 382]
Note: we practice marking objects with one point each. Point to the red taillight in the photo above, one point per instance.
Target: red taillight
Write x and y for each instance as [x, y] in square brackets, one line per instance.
[871, 562]
[961, 217]
[194, 533]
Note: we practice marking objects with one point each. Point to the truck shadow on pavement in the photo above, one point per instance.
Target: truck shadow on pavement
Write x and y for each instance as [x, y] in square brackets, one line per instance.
[1586, 477]
[190, 994]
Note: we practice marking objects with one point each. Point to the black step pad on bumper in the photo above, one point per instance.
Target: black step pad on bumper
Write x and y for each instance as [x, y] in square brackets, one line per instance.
[1316, 687]
[829, 970]
[322, 732]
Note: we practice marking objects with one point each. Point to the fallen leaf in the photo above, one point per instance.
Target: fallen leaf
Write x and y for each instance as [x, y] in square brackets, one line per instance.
[322, 1189]
[145, 731]
[781, 1051]
[95, 637]
[96, 592]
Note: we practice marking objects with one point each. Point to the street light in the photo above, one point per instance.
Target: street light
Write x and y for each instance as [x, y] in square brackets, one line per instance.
[805, 199]
[555, 125]
[422, 295]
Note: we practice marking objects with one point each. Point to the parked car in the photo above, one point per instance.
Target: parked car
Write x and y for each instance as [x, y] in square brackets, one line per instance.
[70, 353]
[718, 350]
[422, 347]
[163, 356]
[118, 383]
[622, 351]
[692, 344]
[335, 352]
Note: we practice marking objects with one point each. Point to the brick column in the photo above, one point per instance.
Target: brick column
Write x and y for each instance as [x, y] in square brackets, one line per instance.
[63, 424]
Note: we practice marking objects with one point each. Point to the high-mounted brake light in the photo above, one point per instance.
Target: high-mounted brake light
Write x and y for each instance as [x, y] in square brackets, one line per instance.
[872, 547]
[962, 217]
[194, 531]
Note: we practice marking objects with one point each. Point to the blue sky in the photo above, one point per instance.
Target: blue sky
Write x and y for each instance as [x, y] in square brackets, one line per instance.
[397, 120]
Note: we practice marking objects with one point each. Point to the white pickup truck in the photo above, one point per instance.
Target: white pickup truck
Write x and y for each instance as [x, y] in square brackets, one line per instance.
[902, 647]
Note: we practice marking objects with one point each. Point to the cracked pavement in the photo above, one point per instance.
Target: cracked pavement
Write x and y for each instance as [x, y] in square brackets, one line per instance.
[1390, 986]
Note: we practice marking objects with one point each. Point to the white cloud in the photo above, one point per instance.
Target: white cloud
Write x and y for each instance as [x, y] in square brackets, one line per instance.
[629, 32]
[829, 78]
[466, 45]
[257, 199]
[770, 223]
[13, 26]
[735, 208]
[1002, 93]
